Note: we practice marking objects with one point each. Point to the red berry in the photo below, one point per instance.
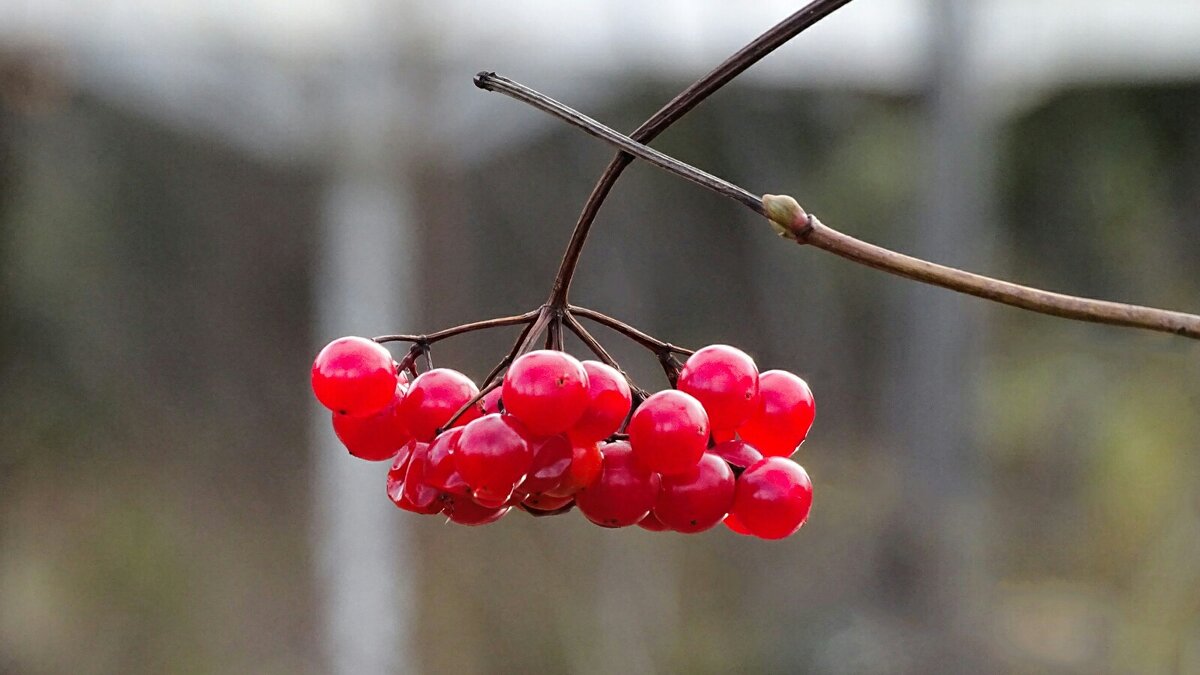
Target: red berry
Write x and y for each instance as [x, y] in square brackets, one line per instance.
[493, 456]
[551, 460]
[651, 523]
[586, 459]
[463, 511]
[547, 390]
[417, 492]
[773, 498]
[786, 415]
[738, 453]
[397, 480]
[375, 437]
[695, 501]
[732, 522]
[608, 403]
[669, 432]
[432, 400]
[623, 493]
[354, 376]
[441, 471]
[725, 381]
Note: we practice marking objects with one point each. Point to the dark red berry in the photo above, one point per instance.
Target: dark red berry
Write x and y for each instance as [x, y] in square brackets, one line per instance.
[397, 480]
[463, 511]
[547, 390]
[551, 460]
[698, 499]
[786, 415]
[608, 403]
[544, 502]
[732, 522]
[651, 523]
[433, 398]
[773, 498]
[354, 376]
[738, 453]
[490, 403]
[440, 470]
[373, 437]
[669, 432]
[395, 475]
[623, 493]
[586, 459]
[725, 381]
[417, 492]
[493, 456]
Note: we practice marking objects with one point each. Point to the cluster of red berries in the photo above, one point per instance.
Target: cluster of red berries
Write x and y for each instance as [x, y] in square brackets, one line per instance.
[714, 449]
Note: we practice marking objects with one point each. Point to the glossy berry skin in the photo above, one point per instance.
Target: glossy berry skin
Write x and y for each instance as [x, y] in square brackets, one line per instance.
[354, 376]
[609, 400]
[397, 481]
[441, 471]
[417, 492]
[547, 390]
[623, 493]
[374, 437]
[697, 500]
[433, 398]
[493, 456]
[786, 415]
[586, 459]
[725, 381]
[773, 498]
[490, 403]
[738, 453]
[669, 432]
[551, 460]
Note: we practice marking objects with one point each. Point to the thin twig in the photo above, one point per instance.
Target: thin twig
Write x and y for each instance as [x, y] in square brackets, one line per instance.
[601, 353]
[484, 391]
[527, 317]
[518, 91]
[648, 341]
[805, 229]
[676, 108]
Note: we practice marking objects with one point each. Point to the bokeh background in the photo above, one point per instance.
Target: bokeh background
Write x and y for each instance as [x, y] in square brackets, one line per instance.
[196, 195]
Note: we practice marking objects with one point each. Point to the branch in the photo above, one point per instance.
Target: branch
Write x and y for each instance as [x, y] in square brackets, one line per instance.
[679, 106]
[790, 221]
[648, 341]
[527, 317]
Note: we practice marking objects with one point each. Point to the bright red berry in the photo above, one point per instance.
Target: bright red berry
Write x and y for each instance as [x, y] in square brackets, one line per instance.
[669, 432]
[547, 390]
[373, 437]
[698, 499]
[354, 376]
[397, 481]
[586, 459]
[786, 415]
[725, 381]
[441, 471]
[551, 460]
[738, 453]
[433, 398]
[395, 475]
[623, 493]
[493, 456]
[773, 498]
[608, 403]
[417, 492]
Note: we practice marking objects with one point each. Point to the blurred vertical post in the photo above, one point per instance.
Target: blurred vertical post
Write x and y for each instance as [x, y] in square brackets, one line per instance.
[936, 385]
[364, 287]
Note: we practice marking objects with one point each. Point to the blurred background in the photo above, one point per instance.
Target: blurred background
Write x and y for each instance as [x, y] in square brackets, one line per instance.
[195, 196]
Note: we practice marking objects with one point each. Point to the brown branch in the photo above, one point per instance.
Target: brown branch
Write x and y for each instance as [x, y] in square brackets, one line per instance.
[789, 220]
[648, 341]
[601, 353]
